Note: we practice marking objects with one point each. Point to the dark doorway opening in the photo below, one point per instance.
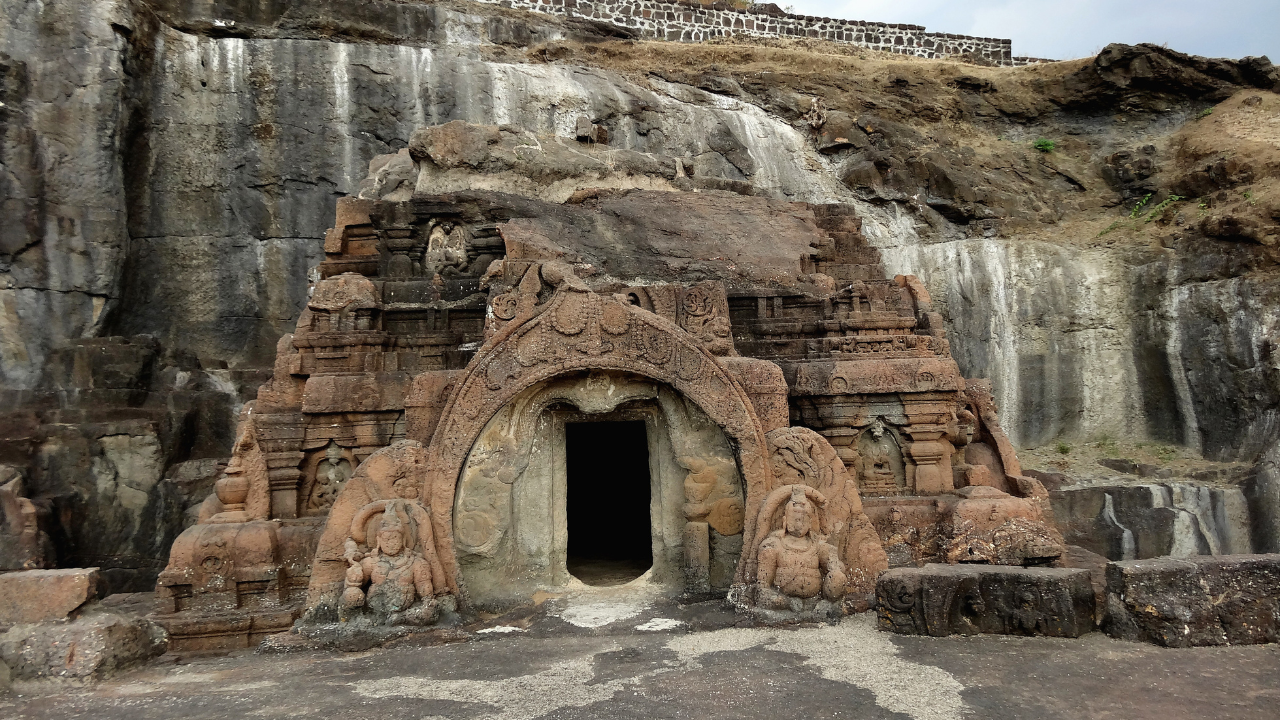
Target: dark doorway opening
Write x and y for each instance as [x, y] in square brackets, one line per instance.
[607, 503]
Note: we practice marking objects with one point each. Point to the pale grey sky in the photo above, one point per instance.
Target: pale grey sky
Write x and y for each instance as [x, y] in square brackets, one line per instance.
[1077, 28]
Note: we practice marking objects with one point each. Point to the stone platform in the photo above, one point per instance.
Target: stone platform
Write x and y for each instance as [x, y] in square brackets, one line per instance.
[941, 600]
[851, 670]
[1188, 602]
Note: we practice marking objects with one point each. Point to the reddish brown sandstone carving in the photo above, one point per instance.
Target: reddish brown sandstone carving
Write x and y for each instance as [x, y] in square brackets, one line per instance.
[798, 567]
[24, 545]
[409, 430]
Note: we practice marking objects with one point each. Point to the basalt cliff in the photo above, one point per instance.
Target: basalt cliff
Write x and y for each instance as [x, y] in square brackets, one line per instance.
[1100, 238]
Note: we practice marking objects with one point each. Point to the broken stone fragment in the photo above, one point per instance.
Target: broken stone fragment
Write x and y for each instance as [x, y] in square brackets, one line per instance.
[1120, 465]
[1189, 602]
[588, 132]
[583, 128]
[840, 132]
[34, 596]
[91, 646]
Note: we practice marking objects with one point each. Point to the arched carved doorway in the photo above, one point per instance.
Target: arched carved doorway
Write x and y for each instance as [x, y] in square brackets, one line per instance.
[519, 509]
[575, 333]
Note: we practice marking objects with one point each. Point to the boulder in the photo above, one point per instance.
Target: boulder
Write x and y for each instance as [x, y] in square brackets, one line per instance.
[90, 646]
[1189, 602]
[33, 596]
[941, 600]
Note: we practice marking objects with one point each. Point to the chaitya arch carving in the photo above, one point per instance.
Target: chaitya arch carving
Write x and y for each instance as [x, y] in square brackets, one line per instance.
[572, 331]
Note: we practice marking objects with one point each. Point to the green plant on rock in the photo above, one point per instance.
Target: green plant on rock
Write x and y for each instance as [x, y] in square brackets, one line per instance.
[1137, 209]
[1107, 445]
[1063, 449]
[1158, 210]
[1044, 145]
[1205, 113]
[1111, 227]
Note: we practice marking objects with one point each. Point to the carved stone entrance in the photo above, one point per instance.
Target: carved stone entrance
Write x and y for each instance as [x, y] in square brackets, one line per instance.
[529, 499]
[608, 501]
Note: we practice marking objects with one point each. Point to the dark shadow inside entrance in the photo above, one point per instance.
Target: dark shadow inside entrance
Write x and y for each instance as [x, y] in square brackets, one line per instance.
[607, 501]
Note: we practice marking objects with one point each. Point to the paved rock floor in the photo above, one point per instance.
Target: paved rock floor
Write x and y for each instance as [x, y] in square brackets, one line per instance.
[618, 670]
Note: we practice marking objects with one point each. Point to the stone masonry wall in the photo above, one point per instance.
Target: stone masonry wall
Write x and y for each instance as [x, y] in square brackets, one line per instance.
[692, 22]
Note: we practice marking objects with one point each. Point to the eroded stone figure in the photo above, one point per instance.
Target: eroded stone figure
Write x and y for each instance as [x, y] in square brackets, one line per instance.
[331, 474]
[24, 545]
[397, 578]
[709, 494]
[796, 562]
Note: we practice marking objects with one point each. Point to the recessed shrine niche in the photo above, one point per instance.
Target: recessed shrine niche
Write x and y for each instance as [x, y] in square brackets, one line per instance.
[512, 524]
[325, 471]
[879, 463]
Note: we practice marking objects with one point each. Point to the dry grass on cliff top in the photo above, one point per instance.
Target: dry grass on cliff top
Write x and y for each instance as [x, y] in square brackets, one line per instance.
[935, 97]
[827, 60]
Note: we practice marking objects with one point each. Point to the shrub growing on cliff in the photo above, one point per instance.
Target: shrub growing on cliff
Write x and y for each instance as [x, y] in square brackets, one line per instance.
[1045, 145]
[1158, 210]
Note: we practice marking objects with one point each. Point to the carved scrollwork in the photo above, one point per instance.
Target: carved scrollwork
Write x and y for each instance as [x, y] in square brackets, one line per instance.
[699, 301]
[505, 306]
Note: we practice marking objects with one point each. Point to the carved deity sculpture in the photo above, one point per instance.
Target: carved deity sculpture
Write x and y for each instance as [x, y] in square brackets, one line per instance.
[446, 250]
[796, 564]
[877, 475]
[331, 474]
[395, 575]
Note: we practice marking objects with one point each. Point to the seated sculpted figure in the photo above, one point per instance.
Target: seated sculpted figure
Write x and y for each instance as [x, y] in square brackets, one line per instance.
[394, 579]
[796, 563]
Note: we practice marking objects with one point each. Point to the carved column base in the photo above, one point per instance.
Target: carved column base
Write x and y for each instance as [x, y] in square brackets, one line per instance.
[697, 557]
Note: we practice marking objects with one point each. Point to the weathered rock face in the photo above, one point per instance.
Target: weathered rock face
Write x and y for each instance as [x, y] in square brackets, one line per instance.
[171, 173]
[1230, 600]
[1129, 522]
[1099, 341]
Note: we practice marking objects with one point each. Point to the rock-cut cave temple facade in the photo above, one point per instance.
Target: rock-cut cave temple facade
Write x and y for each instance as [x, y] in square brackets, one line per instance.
[489, 395]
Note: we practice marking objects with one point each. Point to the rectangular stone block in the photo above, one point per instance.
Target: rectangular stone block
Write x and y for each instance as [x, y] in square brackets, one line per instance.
[34, 596]
[1189, 602]
[941, 600]
[697, 557]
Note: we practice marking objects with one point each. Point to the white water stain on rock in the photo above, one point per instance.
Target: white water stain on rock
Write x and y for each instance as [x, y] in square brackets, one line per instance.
[500, 629]
[520, 698]
[657, 624]
[853, 652]
[599, 614]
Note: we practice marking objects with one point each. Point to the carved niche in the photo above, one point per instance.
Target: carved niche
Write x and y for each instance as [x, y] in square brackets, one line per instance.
[881, 469]
[800, 456]
[328, 469]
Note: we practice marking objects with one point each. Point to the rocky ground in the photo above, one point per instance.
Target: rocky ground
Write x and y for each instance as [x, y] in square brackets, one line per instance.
[633, 666]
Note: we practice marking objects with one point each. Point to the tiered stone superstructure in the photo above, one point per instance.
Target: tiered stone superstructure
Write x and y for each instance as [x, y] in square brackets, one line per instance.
[807, 425]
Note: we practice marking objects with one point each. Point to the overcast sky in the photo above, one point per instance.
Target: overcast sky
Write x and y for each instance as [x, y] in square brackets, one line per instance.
[1065, 29]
